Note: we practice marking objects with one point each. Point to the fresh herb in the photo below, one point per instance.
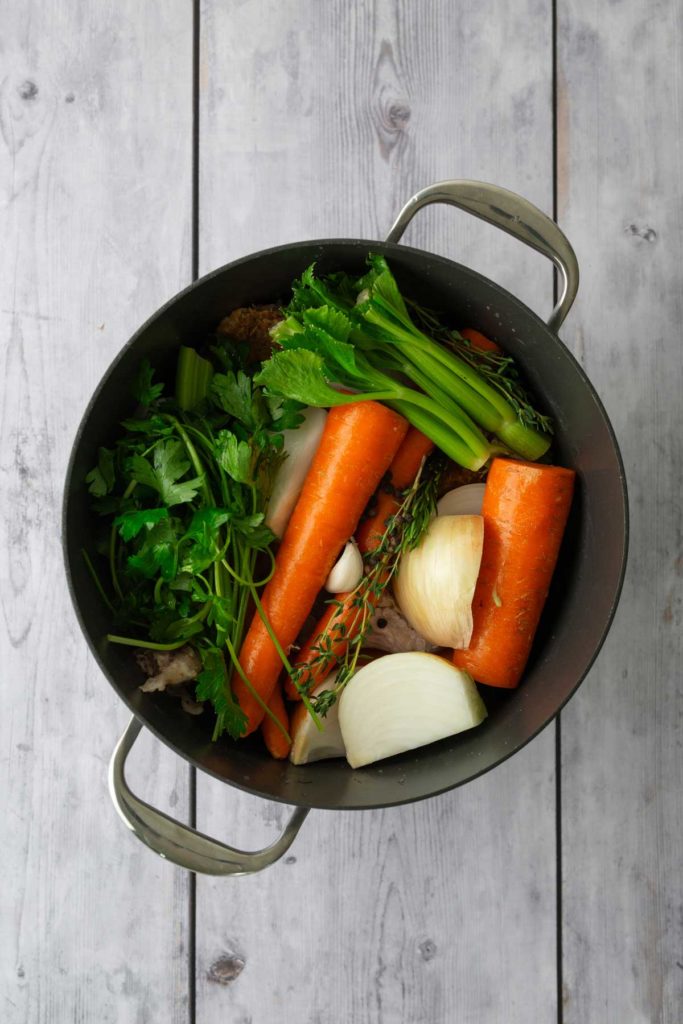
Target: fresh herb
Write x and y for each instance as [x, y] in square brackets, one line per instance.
[359, 333]
[185, 491]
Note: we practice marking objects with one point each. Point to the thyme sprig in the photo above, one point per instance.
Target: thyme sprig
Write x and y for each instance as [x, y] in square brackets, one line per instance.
[499, 370]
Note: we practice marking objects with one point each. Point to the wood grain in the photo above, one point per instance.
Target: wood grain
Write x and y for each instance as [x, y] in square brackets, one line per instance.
[620, 124]
[321, 120]
[95, 188]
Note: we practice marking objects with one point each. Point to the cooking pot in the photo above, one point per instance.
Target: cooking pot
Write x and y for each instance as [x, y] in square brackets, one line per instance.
[587, 581]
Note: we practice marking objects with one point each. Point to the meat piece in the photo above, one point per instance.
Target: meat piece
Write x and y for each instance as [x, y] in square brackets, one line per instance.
[389, 631]
[457, 476]
[252, 324]
[169, 668]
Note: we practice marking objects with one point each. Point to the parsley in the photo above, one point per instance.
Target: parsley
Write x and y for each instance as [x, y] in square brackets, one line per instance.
[184, 492]
[143, 389]
[170, 465]
[213, 685]
[100, 479]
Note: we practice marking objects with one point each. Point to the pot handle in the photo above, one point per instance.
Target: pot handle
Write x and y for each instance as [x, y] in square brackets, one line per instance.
[515, 215]
[179, 843]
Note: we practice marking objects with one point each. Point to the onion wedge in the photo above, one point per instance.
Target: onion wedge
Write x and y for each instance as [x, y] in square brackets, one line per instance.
[308, 742]
[403, 701]
[435, 582]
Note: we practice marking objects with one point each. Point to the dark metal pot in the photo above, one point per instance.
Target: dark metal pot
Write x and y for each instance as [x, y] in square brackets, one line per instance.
[587, 582]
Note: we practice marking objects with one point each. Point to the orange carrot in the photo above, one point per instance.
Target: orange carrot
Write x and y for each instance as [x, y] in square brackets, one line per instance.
[525, 512]
[341, 623]
[356, 448]
[403, 470]
[480, 341]
[274, 738]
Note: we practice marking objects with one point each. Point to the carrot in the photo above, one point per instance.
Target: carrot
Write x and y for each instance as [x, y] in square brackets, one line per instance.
[402, 472]
[525, 512]
[356, 448]
[341, 622]
[274, 738]
[480, 341]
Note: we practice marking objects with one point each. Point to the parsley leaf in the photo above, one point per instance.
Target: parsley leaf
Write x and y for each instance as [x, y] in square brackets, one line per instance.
[100, 480]
[157, 552]
[213, 685]
[234, 456]
[232, 393]
[203, 531]
[170, 464]
[130, 523]
[285, 413]
[143, 389]
[301, 375]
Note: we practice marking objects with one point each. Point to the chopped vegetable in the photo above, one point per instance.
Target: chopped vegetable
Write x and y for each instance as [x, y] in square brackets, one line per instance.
[299, 447]
[435, 582]
[357, 446]
[525, 512]
[310, 744]
[403, 701]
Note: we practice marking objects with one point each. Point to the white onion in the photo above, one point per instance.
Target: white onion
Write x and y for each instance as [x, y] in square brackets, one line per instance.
[300, 445]
[462, 501]
[347, 571]
[403, 701]
[435, 583]
[308, 742]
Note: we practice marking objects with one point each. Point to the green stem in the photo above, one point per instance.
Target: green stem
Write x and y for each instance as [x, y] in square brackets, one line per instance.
[146, 644]
[113, 537]
[193, 378]
[483, 402]
[96, 581]
[194, 458]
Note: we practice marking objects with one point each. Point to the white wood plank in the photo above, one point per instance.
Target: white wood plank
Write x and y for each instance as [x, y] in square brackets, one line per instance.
[95, 194]
[621, 75]
[320, 120]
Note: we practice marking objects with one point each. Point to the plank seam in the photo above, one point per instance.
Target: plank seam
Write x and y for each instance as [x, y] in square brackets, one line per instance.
[558, 721]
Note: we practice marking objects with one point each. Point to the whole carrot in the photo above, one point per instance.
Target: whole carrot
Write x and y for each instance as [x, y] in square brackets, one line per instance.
[357, 446]
[525, 512]
[480, 341]
[341, 621]
[277, 743]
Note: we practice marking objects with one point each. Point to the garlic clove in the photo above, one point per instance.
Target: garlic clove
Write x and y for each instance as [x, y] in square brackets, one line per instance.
[403, 701]
[462, 501]
[347, 571]
[308, 743]
[434, 586]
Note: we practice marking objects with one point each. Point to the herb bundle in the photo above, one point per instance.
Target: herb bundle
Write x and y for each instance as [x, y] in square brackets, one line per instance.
[358, 333]
[185, 493]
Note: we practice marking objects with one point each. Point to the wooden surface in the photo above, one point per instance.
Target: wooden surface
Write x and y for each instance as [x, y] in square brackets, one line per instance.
[320, 119]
